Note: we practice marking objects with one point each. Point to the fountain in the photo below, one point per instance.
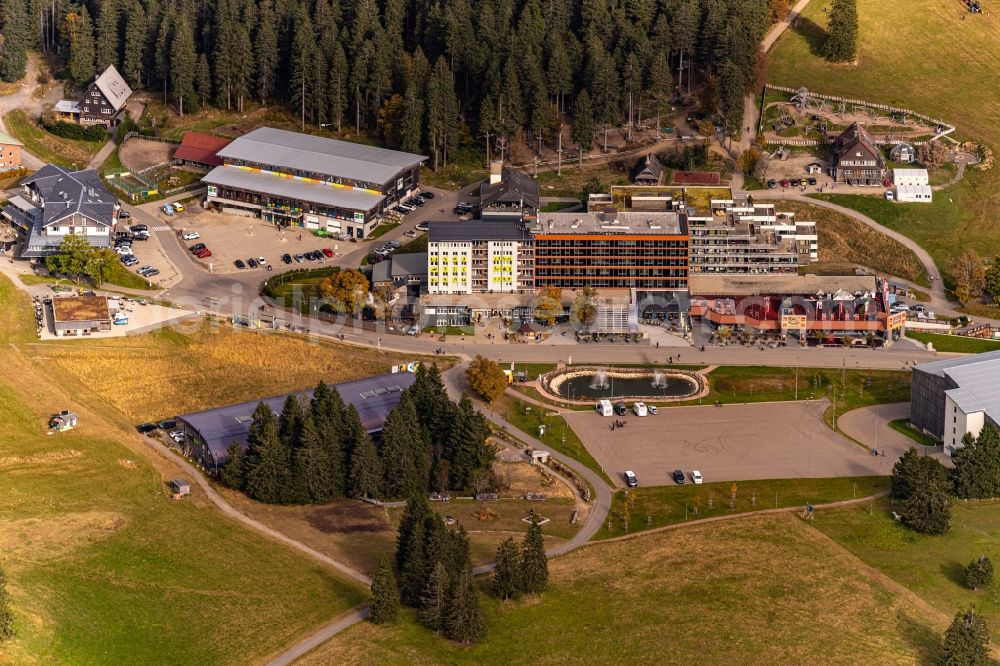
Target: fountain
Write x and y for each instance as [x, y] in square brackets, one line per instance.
[600, 380]
[659, 379]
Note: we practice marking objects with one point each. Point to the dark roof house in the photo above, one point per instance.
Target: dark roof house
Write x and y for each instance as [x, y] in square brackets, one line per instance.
[210, 432]
[649, 171]
[857, 160]
[509, 195]
[201, 149]
[401, 269]
[105, 98]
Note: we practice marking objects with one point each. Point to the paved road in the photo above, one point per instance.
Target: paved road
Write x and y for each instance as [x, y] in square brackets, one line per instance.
[870, 426]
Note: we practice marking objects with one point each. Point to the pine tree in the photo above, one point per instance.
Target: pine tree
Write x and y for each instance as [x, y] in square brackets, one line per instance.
[966, 642]
[234, 471]
[243, 66]
[16, 32]
[203, 81]
[583, 124]
[366, 470]
[977, 465]
[405, 470]
[434, 599]
[136, 38]
[464, 621]
[979, 573]
[841, 43]
[385, 596]
[534, 562]
[266, 51]
[6, 613]
[928, 510]
[107, 43]
[506, 582]
[302, 54]
[290, 421]
[183, 63]
[268, 466]
[81, 48]
[410, 548]
[336, 87]
[327, 408]
[467, 448]
[413, 121]
[311, 469]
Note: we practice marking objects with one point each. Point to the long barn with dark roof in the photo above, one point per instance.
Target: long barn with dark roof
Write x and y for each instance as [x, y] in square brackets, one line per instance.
[209, 433]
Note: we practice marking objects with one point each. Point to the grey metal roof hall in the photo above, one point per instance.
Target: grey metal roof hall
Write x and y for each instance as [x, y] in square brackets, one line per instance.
[978, 380]
[373, 397]
[291, 150]
[506, 230]
[317, 193]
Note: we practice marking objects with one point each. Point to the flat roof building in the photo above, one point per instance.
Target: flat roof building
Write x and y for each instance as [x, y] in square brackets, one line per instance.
[481, 256]
[80, 315]
[209, 433]
[294, 179]
[956, 396]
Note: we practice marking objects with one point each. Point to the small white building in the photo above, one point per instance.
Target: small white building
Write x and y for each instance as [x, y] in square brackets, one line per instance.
[912, 185]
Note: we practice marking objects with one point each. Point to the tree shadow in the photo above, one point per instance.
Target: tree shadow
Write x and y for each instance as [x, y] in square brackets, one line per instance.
[814, 35]
[922, 638]
[954, 572]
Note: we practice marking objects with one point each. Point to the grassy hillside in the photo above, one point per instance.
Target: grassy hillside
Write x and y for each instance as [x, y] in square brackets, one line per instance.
[753, 591]
[932, 57]
[104, 568]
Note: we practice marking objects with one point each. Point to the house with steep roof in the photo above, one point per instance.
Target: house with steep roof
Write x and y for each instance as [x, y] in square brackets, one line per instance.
[56, 202]
[649, 171]
[104, 99]
[508, 195]
[857, 160]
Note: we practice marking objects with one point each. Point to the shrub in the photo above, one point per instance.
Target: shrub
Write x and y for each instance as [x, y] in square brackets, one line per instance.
[979, 573]
[76, 132]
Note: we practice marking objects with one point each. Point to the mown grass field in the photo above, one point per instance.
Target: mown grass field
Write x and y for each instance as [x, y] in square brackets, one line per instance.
[934, 58]
[48, 147]
[955, 343]
[201, 365]
[649, 508]
[104, 568]
[903, 427]
[765, 590]
[843, 239]
[931, 566]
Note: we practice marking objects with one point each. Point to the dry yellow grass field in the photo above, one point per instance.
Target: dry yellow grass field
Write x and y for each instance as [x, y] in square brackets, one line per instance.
[168, 372]
[760, 590]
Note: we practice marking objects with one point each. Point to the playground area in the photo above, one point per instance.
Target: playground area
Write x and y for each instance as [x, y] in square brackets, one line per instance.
[736, 442]
[806, 115]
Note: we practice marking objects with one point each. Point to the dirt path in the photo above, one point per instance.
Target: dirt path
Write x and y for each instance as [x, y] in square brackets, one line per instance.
[23, 99]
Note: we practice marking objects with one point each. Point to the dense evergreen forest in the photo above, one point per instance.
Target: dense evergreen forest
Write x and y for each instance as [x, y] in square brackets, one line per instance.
[423, 75]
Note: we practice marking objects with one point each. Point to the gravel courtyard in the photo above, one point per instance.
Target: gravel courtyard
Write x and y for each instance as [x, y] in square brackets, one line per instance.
[729, 443]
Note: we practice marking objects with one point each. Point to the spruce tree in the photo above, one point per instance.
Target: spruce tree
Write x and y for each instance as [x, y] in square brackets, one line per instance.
[266, 52]
[183, 63]
[268, 466]
[413, 121]
[16, 30]
[81, 48]
[434, 599]
[327, 408]
[534, 562]
[385, 597]
[6, 613]
[290, 421]
[411, 523]
[136, 39]
[464, 620]
[583, 124]
[365, 480]
[841, 43]
[977, 465]
[203, 81]
[979, 573]
[336, 86]
[506, 582]
[234, 471]
[966, 642]
[928, 510]
[312, 481]
[107, 42]
[403, 451]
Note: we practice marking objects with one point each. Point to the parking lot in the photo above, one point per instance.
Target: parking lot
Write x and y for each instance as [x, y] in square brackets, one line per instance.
[150, 253]
[729, 443]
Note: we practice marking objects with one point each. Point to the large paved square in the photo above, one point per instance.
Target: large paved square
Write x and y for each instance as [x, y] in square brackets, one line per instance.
[728, 443]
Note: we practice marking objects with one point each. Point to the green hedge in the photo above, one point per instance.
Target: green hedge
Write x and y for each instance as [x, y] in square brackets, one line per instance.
[77, 132]
[297, 275]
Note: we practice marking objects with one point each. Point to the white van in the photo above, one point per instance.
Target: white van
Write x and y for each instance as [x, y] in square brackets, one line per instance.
[604, 408]
[639, 408]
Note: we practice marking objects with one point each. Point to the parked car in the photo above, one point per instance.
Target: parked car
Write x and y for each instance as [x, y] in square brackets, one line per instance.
[286, 258]
[393, 244]
[124, 214]
[621, 409]
[328, 252]
[652, 409]
[771, 184]
[141, 236]
[167, 209]
[919, 308]
[696, 477]
[197, 246]
[427, 195]
[785, 182]
[138, 227]
[167, 424]
[422, 226]
[812, 181]
[146, 427]
[129, 260]
[639, 408]
[203, 254]
[239, 264]
[262, 261]
[413, 330]
[124, 249]
[178, 207]
[418, 201]
[148, 272]
[251, 262]
[191, 235]
[678, 476]
[900, 307]
[630, 479]
[411, 233]
[299, 258]
[406, 208]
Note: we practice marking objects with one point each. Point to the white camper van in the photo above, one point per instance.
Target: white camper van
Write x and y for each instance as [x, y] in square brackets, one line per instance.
[604, 408]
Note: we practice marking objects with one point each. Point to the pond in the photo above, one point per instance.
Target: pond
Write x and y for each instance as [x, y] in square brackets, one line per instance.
[593, 384]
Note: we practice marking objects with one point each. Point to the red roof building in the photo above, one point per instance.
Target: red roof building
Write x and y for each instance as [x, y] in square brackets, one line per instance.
[200, 149]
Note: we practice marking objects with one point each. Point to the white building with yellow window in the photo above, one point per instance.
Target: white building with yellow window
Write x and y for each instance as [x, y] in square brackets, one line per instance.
[477, 257]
